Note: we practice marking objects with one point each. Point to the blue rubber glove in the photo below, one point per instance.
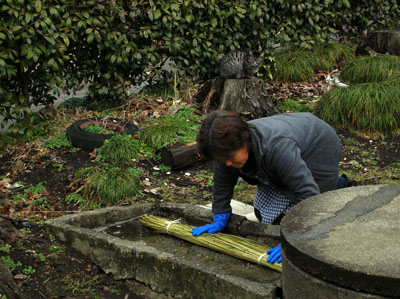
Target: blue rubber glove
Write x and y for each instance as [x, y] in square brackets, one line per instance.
[218, 224]
[274, 254]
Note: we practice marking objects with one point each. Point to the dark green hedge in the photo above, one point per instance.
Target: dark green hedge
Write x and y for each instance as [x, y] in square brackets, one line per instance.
[62, 43]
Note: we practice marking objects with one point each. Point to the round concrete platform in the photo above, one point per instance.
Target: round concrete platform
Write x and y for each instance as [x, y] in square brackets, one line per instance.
[347, 238]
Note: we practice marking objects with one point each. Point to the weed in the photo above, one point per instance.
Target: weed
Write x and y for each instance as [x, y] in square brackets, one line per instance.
[119, 149]
[73, 198]
[96, 129]
[40, 256]
[5, 248]
[57, 248]
[58, 165]
[79, 285]
[115, 291]
[164, 168]
[29, 270]
[57, 142]
[295, 106]
[24, 231]
[9, 263]
[365, 154]
[111, 186]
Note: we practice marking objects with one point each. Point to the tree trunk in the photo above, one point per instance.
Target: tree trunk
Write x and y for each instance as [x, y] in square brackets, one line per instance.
[380, 42]
[248, 97]
[180, 157]
[8, 287]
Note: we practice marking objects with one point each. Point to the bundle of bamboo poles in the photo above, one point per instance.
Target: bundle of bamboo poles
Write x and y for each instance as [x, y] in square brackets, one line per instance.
[236, 246]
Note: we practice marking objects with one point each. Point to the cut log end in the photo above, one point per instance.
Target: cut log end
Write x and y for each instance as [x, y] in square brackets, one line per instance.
[181, 156]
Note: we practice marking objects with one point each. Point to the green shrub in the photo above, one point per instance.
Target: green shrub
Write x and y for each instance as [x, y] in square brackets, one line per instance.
[111, 186]
[366, 69]
[120, 149]
[371, 107]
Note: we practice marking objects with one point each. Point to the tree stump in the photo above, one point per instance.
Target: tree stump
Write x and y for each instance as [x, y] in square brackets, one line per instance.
[381, 42]
[248, 97]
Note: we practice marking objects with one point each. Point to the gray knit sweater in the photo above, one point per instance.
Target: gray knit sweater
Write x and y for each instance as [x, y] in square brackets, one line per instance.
[297, 153]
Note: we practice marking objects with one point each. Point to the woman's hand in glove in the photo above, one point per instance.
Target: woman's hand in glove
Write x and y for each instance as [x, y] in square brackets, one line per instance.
[274, 254]
[218, 224]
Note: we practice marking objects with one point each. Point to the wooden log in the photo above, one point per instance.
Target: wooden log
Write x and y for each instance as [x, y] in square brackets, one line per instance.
[180, 156]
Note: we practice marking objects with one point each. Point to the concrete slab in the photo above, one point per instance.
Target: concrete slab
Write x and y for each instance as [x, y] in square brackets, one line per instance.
[239, 208]
[119, 244]
[348, 238]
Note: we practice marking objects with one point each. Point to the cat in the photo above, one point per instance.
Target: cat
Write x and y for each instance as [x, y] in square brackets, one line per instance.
[240, 64]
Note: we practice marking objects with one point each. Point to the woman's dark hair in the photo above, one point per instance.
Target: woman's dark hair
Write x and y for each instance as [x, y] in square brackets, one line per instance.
[222, 133]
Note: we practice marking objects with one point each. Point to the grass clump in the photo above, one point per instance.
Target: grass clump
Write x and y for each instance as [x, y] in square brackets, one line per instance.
[330, 55]
[83, 173]
[111, 186]
[181, 127]
[373, 107]
[295, 65]
[119, 149]
[366, 69]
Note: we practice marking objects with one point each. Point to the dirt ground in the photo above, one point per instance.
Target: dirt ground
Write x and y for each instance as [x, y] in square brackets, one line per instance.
[44, 268]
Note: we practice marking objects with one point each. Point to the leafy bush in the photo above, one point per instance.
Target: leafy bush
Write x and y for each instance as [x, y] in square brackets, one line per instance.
[111, 186]
[120, 149]
[369, 106]
[370, 69]
[49, 46]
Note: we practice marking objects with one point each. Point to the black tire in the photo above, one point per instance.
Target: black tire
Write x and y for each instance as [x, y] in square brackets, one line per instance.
[80, 138]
